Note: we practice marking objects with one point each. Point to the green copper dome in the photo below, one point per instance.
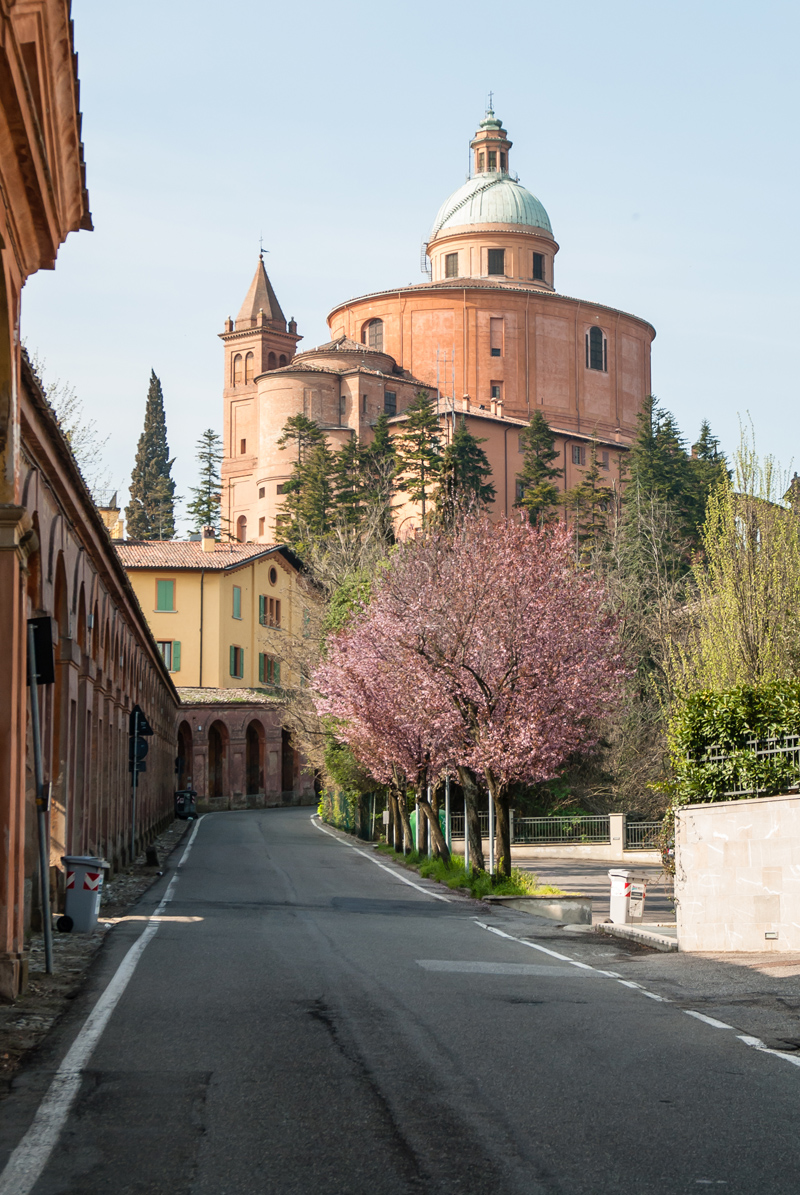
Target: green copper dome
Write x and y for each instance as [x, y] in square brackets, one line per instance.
[491, 198]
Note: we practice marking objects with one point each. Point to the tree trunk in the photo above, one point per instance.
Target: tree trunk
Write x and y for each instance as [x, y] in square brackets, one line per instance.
[473, 827]
[435, 830]
[502, 824]
[408, 841]
[436, 805]
[394, 834]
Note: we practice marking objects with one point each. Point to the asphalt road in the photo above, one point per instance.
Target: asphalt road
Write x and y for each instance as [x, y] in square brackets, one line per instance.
[304, 1022]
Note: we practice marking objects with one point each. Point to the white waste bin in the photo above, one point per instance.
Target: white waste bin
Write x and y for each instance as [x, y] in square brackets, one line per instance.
[628, 891]
[84, 887]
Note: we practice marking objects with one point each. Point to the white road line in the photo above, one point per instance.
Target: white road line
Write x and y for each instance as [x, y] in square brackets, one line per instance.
[701, 1016]
[31, 1155]
[628, 983]
[372, 859]
[757, 1044]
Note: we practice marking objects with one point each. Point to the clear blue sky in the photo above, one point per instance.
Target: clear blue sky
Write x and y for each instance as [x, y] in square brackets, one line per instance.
[661, 138]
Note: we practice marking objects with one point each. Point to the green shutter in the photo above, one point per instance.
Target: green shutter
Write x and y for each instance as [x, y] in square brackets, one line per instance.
[165, 595]
[237, 602]
[276, 670]
[262, 609]
[176, 656]
[261, 666]
[233, 661]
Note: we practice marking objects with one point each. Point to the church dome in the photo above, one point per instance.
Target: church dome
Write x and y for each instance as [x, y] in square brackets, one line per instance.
[491, 199]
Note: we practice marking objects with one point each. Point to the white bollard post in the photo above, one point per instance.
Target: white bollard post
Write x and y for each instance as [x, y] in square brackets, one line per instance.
[416, 828]
[447, 835]
[466, 838]
[430, 835]
[491, 835]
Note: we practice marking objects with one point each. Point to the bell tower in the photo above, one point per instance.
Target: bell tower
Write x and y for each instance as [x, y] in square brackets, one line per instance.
[257, 341]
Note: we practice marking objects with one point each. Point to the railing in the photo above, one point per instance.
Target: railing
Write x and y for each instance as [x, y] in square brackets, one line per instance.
[642, 836]
[761, 767]
[544, 830]
[554, 830]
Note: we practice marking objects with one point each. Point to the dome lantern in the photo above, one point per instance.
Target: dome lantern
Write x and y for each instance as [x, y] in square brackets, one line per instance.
[490, 145]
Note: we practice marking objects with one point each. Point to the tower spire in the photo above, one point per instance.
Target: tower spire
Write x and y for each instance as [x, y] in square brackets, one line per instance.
[490, 145]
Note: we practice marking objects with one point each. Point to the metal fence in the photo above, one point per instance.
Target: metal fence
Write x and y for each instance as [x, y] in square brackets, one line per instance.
[642, 836]
[544, 830]
[762, 767]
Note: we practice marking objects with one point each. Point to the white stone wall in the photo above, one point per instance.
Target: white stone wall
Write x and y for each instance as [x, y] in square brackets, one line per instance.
[737, 875]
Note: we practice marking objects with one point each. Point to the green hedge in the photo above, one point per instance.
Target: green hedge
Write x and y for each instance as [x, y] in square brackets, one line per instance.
[727, 721]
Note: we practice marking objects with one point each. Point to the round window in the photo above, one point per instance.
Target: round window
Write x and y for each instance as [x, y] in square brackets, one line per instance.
[273, 576]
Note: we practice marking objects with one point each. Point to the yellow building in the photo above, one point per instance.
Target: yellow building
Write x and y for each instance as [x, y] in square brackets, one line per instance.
[214, 608]
[222, 614]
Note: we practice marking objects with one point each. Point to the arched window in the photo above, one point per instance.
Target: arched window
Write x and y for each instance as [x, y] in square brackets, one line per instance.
[596, 350]
[272, 361]
[282, 361]
[372, 335]
[249, 367]
[241, 529]
[237, 370]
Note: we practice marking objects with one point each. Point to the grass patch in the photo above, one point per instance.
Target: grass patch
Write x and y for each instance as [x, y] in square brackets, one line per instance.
[479, 883]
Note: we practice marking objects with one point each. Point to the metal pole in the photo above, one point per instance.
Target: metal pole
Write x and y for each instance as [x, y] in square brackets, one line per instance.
[466, 837]
[135, 776]
[416, 826]
[41, 805]
[447, 834]
[491, 835]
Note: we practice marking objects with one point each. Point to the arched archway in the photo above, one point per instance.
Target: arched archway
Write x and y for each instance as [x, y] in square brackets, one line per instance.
[272, 361]
[254, 759]
[217, 759]
[241, 529]
[185, 749]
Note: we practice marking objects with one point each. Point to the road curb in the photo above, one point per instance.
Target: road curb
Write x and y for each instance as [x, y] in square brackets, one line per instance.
[637, 933]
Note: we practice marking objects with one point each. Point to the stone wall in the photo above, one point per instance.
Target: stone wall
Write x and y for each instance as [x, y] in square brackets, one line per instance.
[737, 879]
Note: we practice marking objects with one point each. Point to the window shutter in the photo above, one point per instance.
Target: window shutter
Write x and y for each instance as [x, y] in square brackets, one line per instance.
[176, 656]
[262, 609]
[233, 661]
[277, 672]
[261, 667]
[277, 612]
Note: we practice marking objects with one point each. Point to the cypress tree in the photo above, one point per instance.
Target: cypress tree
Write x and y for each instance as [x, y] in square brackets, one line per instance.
[150, 513]
[660, 468]
[204, 508]
[419, 451]
[538, 493]
[463, 478]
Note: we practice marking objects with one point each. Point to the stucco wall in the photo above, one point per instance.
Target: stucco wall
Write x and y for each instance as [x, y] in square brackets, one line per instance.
[738, 875]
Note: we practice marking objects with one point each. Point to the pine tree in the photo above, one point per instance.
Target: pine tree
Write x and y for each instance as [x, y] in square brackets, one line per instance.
[348, 481]
[419, 451]
[204, 508]
[538, 493]
[309, 506]
[463, 479]
[589, 503]
[660, 468]
[151, 511]
[709, 468]
[379, 469]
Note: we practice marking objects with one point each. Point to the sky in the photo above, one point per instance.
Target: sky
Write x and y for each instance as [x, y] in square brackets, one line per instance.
[660, 137]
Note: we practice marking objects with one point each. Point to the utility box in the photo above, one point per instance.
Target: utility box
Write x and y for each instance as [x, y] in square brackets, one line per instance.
[84, 888]
[628, 891]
